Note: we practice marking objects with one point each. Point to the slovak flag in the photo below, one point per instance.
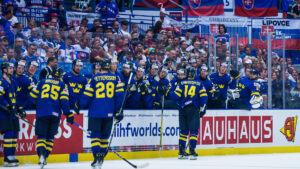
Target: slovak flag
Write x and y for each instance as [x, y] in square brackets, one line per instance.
[204, 7]
[176, 29]
[256, 8]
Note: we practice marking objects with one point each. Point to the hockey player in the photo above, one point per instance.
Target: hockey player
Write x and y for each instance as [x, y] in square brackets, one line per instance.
[139, 95]
[75, 81]
[24, 85]
[192, 98]
[249, 92]
[31, 70]
[124, 76]
[51, 97]
[208, 85]
[104, 90]
[162, 86]
[233, 90]
[9, 123]
[221, 82]
[95, 69]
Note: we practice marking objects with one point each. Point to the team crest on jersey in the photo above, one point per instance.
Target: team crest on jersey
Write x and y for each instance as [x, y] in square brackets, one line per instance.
[87, 86]
[248, 4]
[195, 3]
[264, 32]
[1, 89]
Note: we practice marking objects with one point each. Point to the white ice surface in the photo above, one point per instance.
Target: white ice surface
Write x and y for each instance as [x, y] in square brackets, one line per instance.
[263, 161]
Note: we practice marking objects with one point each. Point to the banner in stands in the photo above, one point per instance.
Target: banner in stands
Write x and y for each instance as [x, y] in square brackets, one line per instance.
[209, 25]
[155, 3]
[203, 7]
[67, 140]
[37, 9]
[74, 18]
[278, 27]
[255, 8]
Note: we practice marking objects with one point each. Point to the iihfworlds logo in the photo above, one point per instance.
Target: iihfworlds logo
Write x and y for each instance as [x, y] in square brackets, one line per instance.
[289, 129]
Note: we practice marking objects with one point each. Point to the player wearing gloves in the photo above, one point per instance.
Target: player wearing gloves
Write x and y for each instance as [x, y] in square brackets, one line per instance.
[162, 86]
[9, 123]
[51, 97]
[208, 85]
[103, 96]
[249, 92]
[139, 95]
[192, 98]
[221, 82]
[75, 81]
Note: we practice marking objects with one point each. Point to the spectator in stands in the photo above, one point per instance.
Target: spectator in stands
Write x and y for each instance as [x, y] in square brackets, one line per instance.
[27, 30]
[223, 36]
[82, 6]
[165, 21]
[112, 53]
[10, 55]
[47, 42]
[293, 11]
[187, 37]
[34, 37]
[96, 23]
[108, 10]
[4, 44]
[49, 53]
[13, 19]
[20, 44]
[82, 50]
[124, 27]
[19, 30]
[97, 53]
[116, 28]
[31, 50]
[67, 52]
[5, 26]
[57, 41]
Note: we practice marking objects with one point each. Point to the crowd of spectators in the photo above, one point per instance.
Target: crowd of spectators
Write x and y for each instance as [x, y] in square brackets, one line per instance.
[157, 45]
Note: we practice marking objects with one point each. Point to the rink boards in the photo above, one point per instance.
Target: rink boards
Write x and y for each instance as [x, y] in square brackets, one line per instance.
[222, 132]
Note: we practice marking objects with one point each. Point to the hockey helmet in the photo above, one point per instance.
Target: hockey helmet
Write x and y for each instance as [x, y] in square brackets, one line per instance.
[105, 64]
[57, 72]
[191, 72]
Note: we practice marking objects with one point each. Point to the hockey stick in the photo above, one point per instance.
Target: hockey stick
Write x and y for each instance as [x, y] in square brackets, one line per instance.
[161, 122]
[122, 105]
[109, 148]
[6, 109]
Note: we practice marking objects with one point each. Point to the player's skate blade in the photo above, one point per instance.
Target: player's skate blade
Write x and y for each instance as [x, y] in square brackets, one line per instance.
[42, 161]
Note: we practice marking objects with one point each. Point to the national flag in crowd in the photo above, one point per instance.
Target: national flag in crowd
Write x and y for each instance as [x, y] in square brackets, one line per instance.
[256, 8]
[155, 3]
[204, 7]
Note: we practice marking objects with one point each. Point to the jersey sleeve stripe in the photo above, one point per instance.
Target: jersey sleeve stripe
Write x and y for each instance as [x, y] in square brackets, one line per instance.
[255, 93]
[204, 94]
[64, 97]
[33, 95]
[88, 94]
[35, 91]
[90, 89]
[120, 90]
[178, 94]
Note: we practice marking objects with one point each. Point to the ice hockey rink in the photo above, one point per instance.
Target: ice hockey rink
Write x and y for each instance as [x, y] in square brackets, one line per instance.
[261, 161]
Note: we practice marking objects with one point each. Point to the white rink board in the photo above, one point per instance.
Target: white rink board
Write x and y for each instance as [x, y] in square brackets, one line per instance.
[218, 128]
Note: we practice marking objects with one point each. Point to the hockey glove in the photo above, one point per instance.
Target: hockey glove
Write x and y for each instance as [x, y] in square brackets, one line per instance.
[21, 113]
[70, 118]
[156, 105]
[77, 108]
[119, 116]
[162, 90]
[202, 110]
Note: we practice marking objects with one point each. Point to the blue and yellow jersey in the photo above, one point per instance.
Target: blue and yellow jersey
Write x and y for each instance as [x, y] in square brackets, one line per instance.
[76, 85]
[221, 83]
[7, 96]
[190, 92]
[209, 87]
[248, 88]
[51, 96]
[103, 95]
[24, 85]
